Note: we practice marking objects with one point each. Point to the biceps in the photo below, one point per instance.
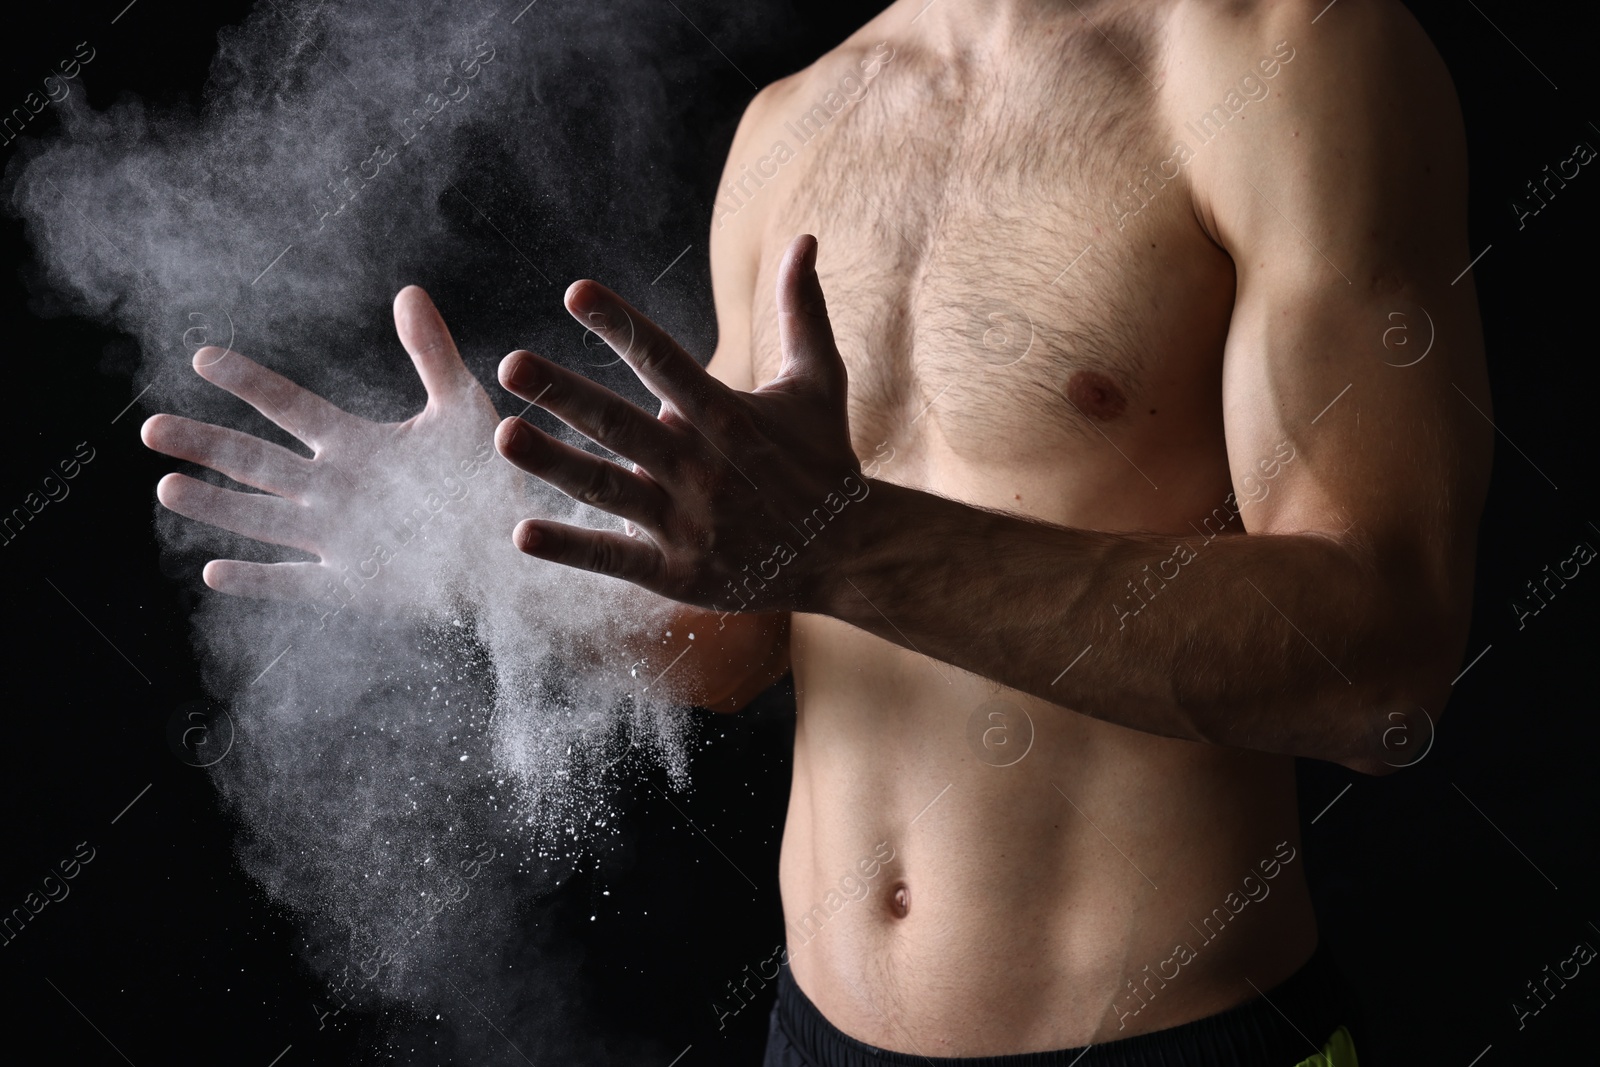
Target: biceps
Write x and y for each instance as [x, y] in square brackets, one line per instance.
[1353, 410]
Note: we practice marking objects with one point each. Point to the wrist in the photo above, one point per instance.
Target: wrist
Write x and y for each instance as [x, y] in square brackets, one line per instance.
[860, 529]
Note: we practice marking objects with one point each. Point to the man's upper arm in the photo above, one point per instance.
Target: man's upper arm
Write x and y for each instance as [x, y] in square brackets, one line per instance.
[751, 650]
[1354, 387]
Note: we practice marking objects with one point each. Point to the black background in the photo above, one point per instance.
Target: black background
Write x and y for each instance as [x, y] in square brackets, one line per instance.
[166, 951]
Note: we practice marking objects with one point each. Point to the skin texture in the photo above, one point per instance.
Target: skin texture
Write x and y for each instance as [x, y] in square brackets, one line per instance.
[1138, 472]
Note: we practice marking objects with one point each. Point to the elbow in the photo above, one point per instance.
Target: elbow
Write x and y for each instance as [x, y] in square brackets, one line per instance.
[1393, 726]
[1405, 677]
[1406, 665]
[1390, 739]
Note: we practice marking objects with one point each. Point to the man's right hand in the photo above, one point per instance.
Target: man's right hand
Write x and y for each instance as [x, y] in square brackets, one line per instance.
[374, 498]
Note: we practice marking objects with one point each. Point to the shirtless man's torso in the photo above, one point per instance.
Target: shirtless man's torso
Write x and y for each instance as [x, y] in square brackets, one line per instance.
[1033, 307]
[1159, 499]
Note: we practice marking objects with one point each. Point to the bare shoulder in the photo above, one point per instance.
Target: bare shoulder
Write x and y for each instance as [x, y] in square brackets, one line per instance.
[1362, 34]
[774, 118]
[755, 176]
[1338, 65]
[1347, 103]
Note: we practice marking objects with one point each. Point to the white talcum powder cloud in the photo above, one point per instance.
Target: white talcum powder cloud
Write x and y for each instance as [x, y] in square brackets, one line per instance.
[416, 758]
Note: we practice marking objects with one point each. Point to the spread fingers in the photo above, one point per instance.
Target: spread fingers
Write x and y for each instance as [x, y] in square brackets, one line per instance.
[584, 477]
[293, 407]
[254, 515]
[593, 410]
[243, 458]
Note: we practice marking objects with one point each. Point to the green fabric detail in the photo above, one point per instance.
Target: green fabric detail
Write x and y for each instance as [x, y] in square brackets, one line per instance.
[1339, 1051]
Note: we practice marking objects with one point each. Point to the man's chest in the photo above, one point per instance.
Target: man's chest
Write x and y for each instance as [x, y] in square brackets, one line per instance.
[989, 291]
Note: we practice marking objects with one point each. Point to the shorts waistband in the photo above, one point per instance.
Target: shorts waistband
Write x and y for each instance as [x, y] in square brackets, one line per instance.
[1290, 1022]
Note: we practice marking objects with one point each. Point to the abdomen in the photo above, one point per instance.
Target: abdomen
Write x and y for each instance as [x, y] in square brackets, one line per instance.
[985, 868]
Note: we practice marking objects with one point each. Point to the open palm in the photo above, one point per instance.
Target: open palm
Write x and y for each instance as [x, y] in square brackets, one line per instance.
[385, 507]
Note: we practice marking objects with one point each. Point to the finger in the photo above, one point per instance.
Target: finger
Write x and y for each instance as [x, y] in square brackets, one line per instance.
[241, 457]
[593, 410]
[296, 409]
[585, 478]
[254, 515]
[665, 368]
[423, 333]
[804, 332]
[600, 551]
[267, 581]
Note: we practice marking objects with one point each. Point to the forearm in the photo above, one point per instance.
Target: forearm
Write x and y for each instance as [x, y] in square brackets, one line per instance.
[658, 648]
[689, 655]
[1285, 643]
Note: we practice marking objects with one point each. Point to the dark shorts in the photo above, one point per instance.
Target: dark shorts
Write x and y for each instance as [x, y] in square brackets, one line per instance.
[1283, 1028]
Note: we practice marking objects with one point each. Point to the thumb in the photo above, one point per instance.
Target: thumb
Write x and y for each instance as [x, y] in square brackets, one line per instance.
[804, 332]
[422, 331]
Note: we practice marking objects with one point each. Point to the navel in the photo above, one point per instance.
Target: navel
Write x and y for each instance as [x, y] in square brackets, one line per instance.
[900, 901]
[1096, 395]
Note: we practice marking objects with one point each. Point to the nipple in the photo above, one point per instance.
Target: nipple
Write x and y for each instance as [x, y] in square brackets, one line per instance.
[1096, 395]
[900, 901]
